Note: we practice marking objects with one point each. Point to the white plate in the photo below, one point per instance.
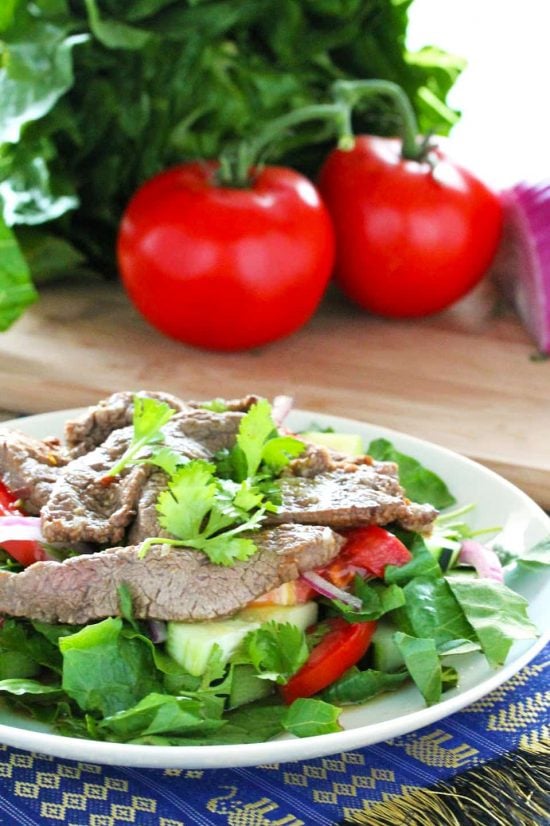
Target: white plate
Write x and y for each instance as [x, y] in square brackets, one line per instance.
[499, 503]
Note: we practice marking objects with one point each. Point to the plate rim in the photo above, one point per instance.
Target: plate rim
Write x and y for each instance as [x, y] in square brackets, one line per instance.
[283, 750]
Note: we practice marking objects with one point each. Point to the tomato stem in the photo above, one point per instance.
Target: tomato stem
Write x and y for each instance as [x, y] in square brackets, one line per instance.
[350, 92]
[237, 164]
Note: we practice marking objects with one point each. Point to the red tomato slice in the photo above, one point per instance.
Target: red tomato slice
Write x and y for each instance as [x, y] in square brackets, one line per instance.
[24, 551]
[7, 500]
[367, 551]
[340, 648]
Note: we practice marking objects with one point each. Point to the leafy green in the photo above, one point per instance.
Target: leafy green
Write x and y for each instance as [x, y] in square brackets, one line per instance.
[377, 598]
[194, 509]
[423, 664]
[357, 686]
[97, 96]
[420, 483]
[422, 563]
[16, 289]
[307, 717]
[534, 559]
[106, 670]
[149, 417]
[276, 650]
[432, 611]
[497, 614]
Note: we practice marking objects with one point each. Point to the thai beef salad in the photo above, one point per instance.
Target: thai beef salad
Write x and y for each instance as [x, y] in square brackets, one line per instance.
[194, 573]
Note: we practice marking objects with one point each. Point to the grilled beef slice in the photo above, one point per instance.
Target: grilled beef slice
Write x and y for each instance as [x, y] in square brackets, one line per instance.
[83, 508]
[168, 583]
[92, 428]
[30, 467]
[349, 496]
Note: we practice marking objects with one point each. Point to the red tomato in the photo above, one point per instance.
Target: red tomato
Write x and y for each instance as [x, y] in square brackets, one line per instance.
[340, 648]
[8, 500]
[411, 238]
[24, 551]
[367, 551]
[226, 268]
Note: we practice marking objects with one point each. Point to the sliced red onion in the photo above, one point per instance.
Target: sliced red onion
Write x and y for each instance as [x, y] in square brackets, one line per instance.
[20, 528]
[482, 558]
[281, 407]
[327, 589]
[522, 265]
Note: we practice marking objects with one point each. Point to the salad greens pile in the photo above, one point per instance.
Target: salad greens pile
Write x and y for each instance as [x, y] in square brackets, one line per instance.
[110, 680]
[96, 96]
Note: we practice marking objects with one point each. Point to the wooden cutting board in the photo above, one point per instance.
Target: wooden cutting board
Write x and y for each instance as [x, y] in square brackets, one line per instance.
[471, 385]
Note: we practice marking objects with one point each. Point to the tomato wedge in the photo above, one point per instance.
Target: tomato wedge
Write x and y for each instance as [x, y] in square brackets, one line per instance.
[343, 646]
[24, 551]
[367, 551]
[7, 500]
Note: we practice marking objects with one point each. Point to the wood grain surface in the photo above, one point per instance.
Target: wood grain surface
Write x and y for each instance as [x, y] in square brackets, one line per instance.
[459, 379]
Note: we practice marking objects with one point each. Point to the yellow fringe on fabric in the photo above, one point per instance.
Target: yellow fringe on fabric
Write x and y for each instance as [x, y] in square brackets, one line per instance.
[511, 791]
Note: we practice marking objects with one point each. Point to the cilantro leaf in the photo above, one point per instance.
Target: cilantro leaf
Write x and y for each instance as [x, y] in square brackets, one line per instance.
[307, 717]
[150, 416]
[203, 512]
[260, 452]
[190, 495]
[276, 650]
[255, 429]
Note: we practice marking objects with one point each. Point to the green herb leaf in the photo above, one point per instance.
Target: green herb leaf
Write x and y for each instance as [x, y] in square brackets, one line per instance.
[420, 483]
[377, 599]
[104, 670]
[276, 650]
[357, 686]
[535, 558]
[16, 288]
[423, 664]
[307, 717]
[150, 416]
[432, 611]
[497, 614]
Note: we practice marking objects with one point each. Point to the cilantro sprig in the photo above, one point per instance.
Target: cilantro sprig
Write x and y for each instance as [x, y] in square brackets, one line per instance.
[150, 416]
[207, 505]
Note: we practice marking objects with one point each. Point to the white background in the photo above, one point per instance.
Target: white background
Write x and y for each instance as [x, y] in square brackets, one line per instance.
[504, 93]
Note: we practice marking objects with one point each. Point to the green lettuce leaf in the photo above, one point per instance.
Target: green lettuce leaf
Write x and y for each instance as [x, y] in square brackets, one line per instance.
[498, 615]
[421, 484]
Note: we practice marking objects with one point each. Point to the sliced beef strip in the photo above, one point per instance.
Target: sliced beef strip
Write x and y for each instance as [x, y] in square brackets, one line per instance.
[168, 583]
[92, 428]
[317, 459]
[30, 467]
[234, 405]
[346, 498]
[146, 523]
[82, 507]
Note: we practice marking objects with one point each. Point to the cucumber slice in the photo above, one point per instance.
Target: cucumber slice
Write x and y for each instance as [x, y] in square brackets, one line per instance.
[191, 643]
[302, 615]
[385, 654]
[349, 443]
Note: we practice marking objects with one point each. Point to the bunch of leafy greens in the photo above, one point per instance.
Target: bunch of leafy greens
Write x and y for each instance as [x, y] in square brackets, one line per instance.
[108, 681]
[97, 96]
[207, 505]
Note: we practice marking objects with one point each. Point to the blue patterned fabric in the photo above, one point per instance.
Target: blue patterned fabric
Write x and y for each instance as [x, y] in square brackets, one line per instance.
[38, 790]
